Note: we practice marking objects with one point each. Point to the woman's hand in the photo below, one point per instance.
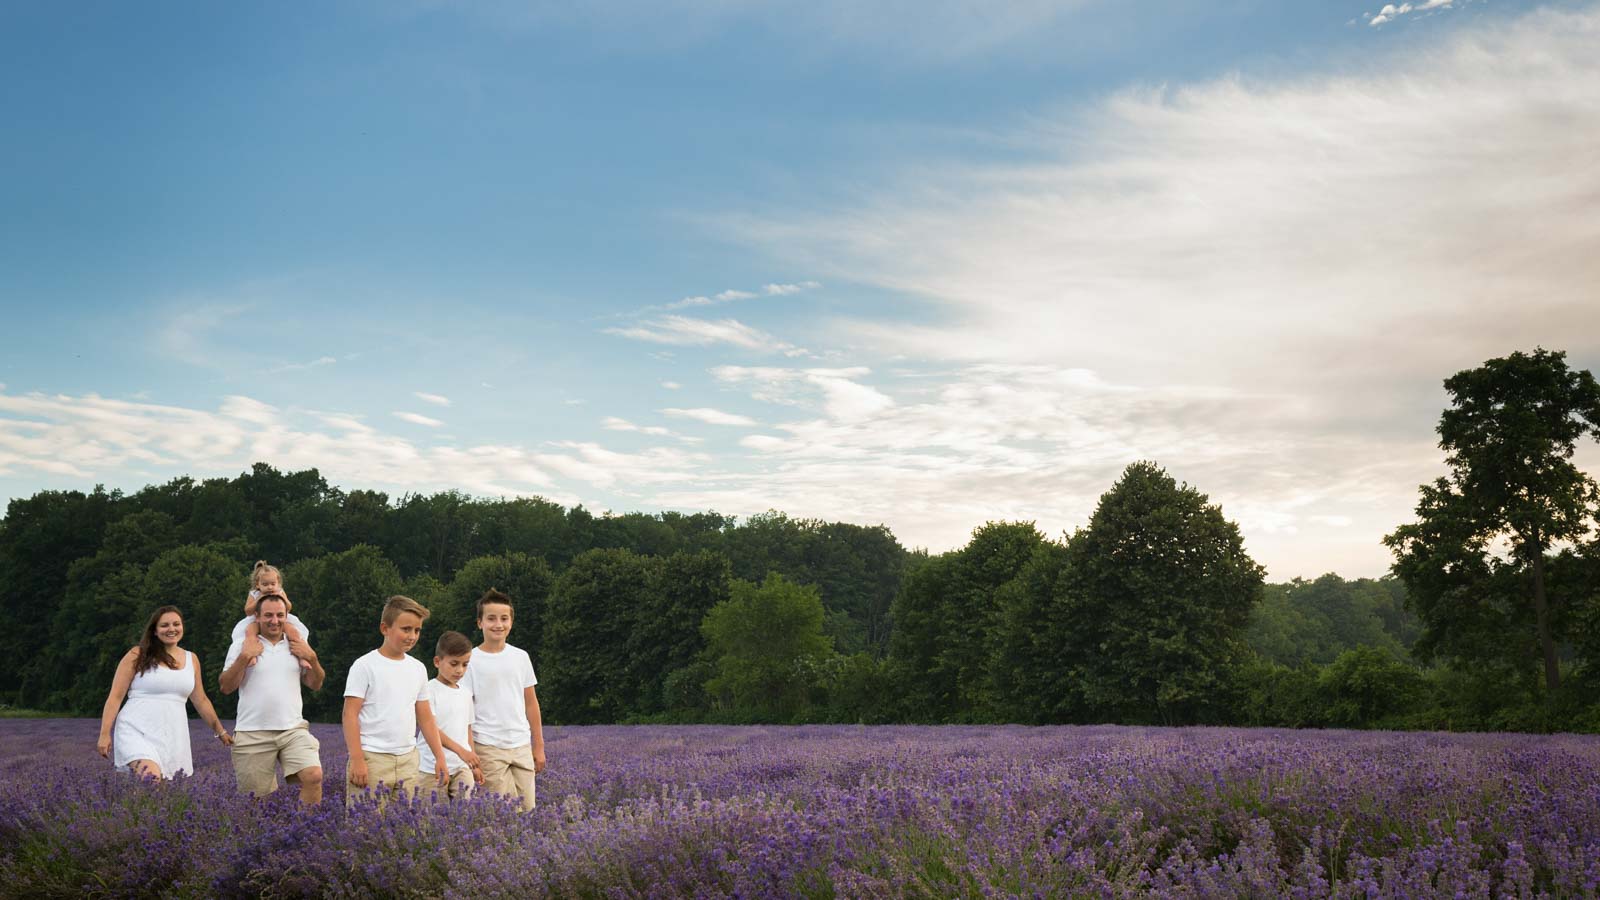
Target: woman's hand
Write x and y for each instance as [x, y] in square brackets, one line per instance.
[225, 738]
[104, 745]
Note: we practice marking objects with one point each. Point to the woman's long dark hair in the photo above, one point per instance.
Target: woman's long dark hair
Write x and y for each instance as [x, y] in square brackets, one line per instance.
[151, 651]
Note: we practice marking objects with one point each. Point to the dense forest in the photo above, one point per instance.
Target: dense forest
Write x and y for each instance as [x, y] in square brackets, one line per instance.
[1152, 612]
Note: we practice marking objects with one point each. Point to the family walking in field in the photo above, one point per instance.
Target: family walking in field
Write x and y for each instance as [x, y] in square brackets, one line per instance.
[477, 723]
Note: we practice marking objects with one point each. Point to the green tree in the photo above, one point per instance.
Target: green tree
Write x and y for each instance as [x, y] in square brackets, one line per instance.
[1159, 589]
[1509, 435]
[340, 597]
[587, 623]
[525, 579]
[665, 635]
[760, 639]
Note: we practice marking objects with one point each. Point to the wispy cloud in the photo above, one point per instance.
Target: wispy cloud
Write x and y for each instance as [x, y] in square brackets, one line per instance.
[1391, 11]
[684, 331]
[709, 416]
[669, 385]
[435, 399]
[299, 367]
[91, 437]
[418, 419]
[733, 295]
[616, 423]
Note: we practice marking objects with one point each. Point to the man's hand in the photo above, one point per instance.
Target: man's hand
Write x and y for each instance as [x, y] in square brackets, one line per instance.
[357, 771]
[301, 650]
[251, 650]
[441, 772]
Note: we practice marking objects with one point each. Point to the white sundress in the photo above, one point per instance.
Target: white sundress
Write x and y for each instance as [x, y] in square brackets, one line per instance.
[153, 724]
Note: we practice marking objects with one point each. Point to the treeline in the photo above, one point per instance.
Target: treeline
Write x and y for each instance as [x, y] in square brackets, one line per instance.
[1151, 613]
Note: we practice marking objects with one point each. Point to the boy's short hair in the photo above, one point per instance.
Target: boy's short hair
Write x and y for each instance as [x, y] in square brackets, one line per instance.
[493, 595]
[398, 604]
[452, 643]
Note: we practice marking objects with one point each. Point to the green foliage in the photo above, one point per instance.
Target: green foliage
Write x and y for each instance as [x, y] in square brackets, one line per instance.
[946, 617]
[766, 641]
[1304, 622]
[1364, 686]
[586, 630]
[1510, 435]
[527, 580]
[1160, 589]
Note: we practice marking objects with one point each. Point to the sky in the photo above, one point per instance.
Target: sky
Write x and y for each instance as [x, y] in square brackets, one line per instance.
[923, 264]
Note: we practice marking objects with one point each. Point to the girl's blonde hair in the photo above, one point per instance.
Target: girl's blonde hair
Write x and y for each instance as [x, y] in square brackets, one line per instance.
[261, 570]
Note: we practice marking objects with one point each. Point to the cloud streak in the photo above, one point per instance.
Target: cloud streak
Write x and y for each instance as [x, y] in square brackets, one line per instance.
[683, 331]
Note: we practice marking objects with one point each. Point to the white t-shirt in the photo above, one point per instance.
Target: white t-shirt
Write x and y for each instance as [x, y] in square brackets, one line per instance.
[452, 712]
[496, 680]
[244, 623]
[390, 690]
[269, 696]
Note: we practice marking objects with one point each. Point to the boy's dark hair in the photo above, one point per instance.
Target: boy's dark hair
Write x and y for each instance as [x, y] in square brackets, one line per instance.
[493, 595]
[452, 643]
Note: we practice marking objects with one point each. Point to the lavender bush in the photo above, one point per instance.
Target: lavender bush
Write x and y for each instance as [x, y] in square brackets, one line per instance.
[848, 812]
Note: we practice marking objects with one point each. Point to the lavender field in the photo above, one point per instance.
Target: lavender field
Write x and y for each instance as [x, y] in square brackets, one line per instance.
[846, 811]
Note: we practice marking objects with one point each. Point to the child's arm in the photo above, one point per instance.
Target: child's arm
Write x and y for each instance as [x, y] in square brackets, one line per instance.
[202, 705]
[430, 733]
[466, 754]
[119, 690]
[357, 770]
[250, 600]
[474, 762]
[237, 661]
[252, 638]
[535, 727]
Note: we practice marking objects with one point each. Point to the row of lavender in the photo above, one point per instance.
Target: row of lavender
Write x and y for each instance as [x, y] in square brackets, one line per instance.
[825, 811]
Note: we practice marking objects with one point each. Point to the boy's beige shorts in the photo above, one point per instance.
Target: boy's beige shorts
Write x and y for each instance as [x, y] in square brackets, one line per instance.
[398, 773]
[508, 772]
[256, 755]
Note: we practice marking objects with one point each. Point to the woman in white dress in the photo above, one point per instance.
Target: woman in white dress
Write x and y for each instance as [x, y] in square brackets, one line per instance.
[151, 732]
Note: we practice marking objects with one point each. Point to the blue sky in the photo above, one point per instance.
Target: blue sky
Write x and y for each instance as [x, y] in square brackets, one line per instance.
[922, 264]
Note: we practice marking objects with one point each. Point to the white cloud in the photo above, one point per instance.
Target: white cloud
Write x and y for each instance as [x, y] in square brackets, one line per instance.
[689, 332]
[300, 367]
[669, 385]
[418, 419]
[616, 423]
[1390, 11]
[435, 399]
[709, 416]
[1324, 249]
[94, 438]
[784, 290]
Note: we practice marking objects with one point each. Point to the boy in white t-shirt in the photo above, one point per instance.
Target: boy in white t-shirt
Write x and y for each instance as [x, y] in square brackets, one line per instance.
[452, 713]
[507, 732]
[385, 702]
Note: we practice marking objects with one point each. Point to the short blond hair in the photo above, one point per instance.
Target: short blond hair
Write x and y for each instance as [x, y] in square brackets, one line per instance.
[398, 604]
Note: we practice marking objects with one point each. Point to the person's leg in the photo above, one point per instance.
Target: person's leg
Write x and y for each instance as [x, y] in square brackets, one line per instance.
[145, 768]
[496, 766]
[408, 775]
[255, 762]
[522, 776]
[461, 785]
[302, 761]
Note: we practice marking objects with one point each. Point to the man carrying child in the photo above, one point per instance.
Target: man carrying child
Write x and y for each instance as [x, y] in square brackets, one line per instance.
[270, 728]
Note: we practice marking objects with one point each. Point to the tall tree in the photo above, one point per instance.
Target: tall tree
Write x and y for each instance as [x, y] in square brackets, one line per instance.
[1509, 435]
[1160, 590]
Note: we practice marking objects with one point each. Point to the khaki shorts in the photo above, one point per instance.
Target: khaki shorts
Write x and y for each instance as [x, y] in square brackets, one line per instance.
[397, 773]
[256, 755]
[508, 772]
[461, 784]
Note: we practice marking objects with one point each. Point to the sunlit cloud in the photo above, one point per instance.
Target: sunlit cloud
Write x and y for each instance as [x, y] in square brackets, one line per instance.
[690, 332]
[418, 419]
[435, 399]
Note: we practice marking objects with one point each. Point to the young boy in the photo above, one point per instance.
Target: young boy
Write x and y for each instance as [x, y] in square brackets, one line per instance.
[452, 713]
[385, 702]
[507, 733]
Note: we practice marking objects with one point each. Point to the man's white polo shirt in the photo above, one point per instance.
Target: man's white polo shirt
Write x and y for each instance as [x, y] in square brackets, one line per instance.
[269, 698]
